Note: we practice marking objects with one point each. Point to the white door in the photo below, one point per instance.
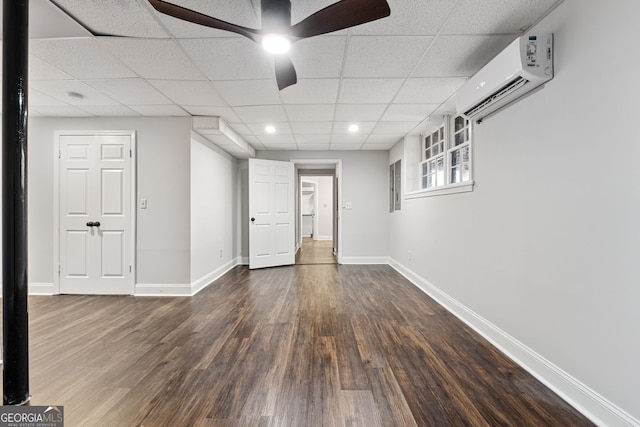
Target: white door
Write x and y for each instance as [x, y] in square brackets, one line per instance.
[95, 252]
[271, 213]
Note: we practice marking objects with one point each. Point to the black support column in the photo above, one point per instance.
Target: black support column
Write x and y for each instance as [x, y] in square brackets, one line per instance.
[14, 202]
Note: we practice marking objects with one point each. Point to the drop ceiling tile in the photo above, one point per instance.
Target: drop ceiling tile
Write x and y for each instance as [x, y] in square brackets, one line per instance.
[394, 127]
[311, 127]
[344, 138]
[240, 12]
[227, 113]
[115, 18]
[159, 110]
[130, 91]
[240, 128]
[39, 99]
[385, 140]
[359, 112]
[258, 129]
[236, 58]
[303, 113]
[110, 111]
[248, 92]
[270, 140]
[368, 91]
[496, 16]
[318, 57]
[417, 17]
[60, 89]
[315, 139]
[314, 147]
[460, 56]
[345, 147]
[281, 147]
[311, 91]
[62, 111]
[153, 58]
[408, 112]
[40, 70]
[377, 147]
[80, 58]
[189, 92]
[254, 142]
[47, 21]
[343, 127]
[376, 56]
[428, 90]
[261, 114]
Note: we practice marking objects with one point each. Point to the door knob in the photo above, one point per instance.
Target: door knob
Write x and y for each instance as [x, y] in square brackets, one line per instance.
[97, 223]
[252, 219]
[93, 224]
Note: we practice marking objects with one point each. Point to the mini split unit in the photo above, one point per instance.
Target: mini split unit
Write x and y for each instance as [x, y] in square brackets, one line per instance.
[524, 65]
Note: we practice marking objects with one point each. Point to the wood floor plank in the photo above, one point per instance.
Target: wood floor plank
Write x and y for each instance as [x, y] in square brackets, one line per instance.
[307, 345]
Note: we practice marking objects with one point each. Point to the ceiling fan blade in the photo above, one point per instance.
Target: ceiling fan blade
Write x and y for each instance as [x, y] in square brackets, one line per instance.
[285, 72]
[341, 15]
[199, 18]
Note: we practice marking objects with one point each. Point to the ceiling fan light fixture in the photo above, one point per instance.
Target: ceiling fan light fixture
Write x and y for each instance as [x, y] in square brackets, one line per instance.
[276, 43]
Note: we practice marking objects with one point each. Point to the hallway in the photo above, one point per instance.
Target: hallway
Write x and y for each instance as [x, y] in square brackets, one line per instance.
[315, 252]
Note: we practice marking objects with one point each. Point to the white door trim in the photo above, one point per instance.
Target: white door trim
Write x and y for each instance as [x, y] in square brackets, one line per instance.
[56, 201]
[338, 176]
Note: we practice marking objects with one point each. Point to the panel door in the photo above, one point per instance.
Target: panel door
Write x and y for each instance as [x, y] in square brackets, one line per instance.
[95, 214]
[271, 213]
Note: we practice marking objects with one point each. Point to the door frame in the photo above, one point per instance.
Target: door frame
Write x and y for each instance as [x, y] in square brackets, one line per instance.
[56, 200]
[300, 164]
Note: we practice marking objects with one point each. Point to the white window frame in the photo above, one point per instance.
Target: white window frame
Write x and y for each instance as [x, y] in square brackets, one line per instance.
[425, 168]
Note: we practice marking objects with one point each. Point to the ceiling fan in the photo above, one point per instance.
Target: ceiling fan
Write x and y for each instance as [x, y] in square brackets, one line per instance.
[277, 33]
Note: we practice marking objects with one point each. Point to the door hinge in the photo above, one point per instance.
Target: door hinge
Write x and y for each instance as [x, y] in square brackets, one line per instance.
[129, 269]
[59, 154]
[59, 269]
[130, 153]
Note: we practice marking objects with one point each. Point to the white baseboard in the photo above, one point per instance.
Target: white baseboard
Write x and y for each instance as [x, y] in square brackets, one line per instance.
[207, 279]
[323, 238]
[41, 289]
[365, 260]
[587, 401]
[162, 290]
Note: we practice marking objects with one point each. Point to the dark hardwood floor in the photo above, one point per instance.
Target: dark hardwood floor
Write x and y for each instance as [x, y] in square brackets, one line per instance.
[308, 345]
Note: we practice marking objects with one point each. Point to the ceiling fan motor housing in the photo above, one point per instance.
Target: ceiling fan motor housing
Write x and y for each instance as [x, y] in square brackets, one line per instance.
[276, 16]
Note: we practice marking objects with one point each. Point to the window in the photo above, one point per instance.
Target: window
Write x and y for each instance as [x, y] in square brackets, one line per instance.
[432, 165]
[460, 152]
[446, 157]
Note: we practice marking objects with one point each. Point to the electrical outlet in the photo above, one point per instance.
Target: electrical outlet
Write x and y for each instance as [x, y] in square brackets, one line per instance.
[143, 203]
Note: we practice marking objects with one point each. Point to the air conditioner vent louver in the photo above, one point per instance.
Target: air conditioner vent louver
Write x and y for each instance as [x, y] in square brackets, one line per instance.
[502, 93]
[521, 67]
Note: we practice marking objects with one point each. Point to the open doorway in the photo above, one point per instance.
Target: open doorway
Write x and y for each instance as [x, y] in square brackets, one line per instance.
[317, 212]
[316, 220]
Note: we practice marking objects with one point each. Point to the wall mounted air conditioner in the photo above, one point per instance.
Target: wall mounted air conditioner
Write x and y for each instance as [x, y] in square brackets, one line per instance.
[522, 66]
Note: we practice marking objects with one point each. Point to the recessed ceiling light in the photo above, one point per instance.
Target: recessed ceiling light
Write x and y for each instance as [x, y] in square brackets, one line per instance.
[276, 43]
[354, 128]
[270, 129]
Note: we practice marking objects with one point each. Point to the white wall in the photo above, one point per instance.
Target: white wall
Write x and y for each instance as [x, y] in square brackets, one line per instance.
[324, 213]
[364, 185]
[546, 246]
[213, 210]
[163, 229]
